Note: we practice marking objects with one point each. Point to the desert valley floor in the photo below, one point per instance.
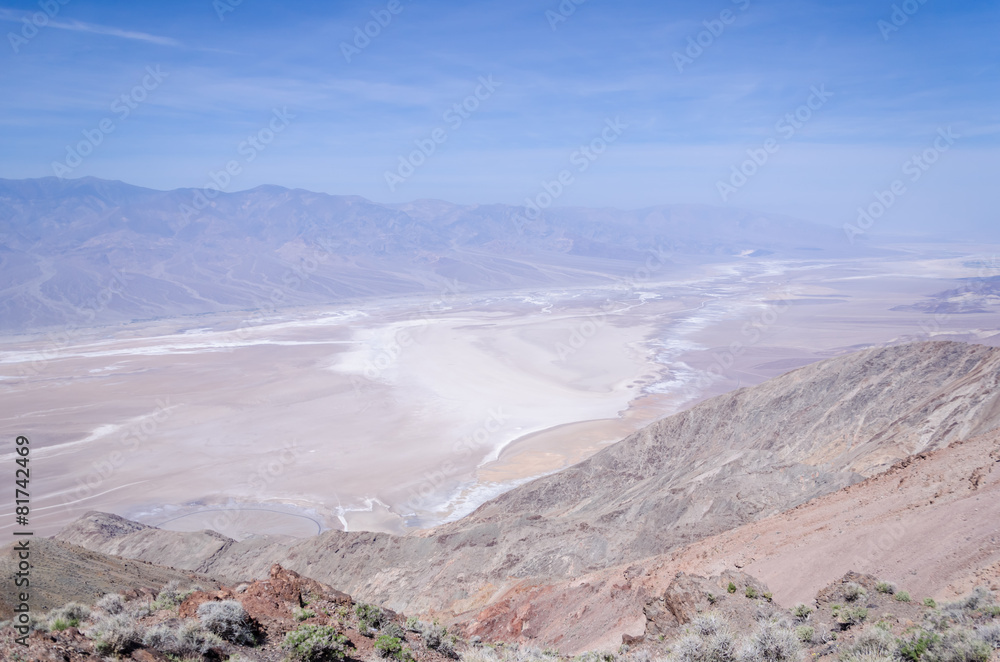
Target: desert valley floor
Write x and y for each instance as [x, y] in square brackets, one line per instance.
[391, 414]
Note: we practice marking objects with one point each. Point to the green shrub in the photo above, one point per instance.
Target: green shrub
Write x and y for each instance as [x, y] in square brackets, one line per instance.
[731, 588]
[958, 645]
[169, 597]
[392, 648]
[768, 595]
[805, 633]
[228, 620]
[848, 616]
[370, 618]
[901, 596]
[801, 612]
[885, 587]
[316, 643]
[303, 614]
[914, 646]
[413, 624]
[854, 591]
[69, 615]
[750, 592]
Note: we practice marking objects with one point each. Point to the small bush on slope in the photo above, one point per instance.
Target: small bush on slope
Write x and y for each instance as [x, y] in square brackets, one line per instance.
[771, 643]
[228, 620]
[69, 615]
[315, 643]
[112, 603]
[370, 618]
[116, 633]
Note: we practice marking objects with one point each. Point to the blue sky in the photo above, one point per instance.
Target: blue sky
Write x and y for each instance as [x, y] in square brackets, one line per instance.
[886, 95]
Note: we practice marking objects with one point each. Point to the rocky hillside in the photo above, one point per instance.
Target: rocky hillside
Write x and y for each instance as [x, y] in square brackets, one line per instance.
[729, 461]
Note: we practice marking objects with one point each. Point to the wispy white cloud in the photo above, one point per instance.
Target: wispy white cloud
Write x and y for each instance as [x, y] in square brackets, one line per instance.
[79, 26]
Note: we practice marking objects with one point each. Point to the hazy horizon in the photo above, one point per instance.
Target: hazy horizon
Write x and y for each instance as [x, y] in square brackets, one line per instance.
[491, 103]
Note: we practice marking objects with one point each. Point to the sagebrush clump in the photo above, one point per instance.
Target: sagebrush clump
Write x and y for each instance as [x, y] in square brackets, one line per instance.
[228, 620]
[116, 633]
[316, 643]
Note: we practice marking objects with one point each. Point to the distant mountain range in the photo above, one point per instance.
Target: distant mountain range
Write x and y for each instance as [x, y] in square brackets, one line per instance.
[90, 251]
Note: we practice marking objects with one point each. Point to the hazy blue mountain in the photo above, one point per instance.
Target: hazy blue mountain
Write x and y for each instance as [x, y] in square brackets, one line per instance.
[91, 251]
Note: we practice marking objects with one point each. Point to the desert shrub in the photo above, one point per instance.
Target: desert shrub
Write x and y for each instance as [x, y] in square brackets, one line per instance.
[750, 592]
[169, 597]
[194, 639]
[929, 602]
[980, 597]
[805, 633]
[913, 646]
[413, 624]
[229, 620]
[871, 643]
[69, 615]
[160, 638]
[370, 618]
[771, 643]
[848, 616]
[731, 588]
[958, 645]
[112, 603]
[990, 634]
[801, 612]
[316, 643]
[885, 587]
[116, 633]
[707, 624]
[854, 591]
[902, 596]
[303, 614]
[392, 648]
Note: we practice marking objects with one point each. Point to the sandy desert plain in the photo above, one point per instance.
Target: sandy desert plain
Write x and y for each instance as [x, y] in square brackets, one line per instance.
[397, 414]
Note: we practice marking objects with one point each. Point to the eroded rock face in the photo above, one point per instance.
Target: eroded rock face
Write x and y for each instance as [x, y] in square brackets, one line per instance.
[687, 596]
